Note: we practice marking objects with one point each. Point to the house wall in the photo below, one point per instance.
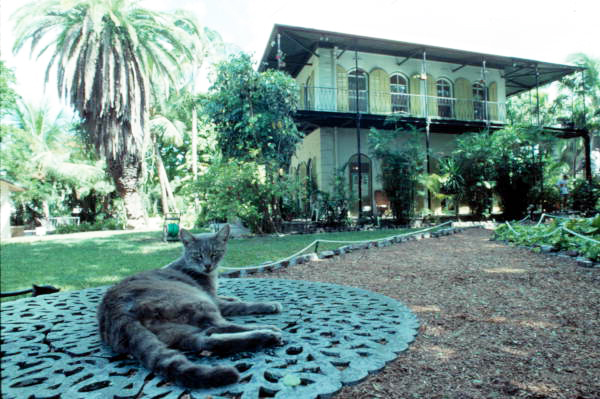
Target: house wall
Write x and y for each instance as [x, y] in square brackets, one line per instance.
[330, 149]
[323, 70]
[368, 62]
[309, 149]
[5, 209]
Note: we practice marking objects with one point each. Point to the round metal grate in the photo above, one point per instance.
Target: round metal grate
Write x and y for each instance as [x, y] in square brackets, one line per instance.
[333, 335]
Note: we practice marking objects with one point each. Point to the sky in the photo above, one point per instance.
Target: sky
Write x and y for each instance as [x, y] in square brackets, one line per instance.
[544, 30]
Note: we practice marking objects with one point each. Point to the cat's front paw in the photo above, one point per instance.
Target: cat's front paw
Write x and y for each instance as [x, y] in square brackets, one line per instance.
[273, 307]
[270, 338]
[267, 327]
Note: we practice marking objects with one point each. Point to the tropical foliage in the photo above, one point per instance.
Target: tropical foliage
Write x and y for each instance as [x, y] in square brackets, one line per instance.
[252, 117]
[41, 149]
[8, 95]
[400, 168]
[558, 235]
[105, 52]
[240, 189]
[585, 196]
[252, 112]
[472, 181]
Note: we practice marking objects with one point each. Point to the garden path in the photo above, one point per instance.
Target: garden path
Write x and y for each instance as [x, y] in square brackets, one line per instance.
[496, 321]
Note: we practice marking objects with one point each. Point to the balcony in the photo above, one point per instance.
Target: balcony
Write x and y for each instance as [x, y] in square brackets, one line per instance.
[328, 99]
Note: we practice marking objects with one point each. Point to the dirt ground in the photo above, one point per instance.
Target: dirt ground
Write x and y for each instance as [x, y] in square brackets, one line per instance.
[496, 321]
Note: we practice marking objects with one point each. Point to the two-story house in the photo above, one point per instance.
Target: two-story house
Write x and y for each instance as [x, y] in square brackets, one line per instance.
[349, 84]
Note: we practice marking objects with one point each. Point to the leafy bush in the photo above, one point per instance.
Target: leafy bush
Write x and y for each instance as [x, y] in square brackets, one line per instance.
[585, 196]
[474, 168]
[554, 235]
[107, 224]
[332, 208]
[400, 168]
[230, 189]
[517, 176]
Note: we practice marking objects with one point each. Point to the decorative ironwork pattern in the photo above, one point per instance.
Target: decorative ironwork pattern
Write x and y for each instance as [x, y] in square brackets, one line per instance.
[333, 335]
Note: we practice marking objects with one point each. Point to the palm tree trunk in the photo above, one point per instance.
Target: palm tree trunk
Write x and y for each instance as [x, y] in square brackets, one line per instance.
[194, 143]
[165, 187]
[127, 175]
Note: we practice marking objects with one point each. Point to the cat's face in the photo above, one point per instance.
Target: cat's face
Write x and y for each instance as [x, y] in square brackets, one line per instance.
[204, 251]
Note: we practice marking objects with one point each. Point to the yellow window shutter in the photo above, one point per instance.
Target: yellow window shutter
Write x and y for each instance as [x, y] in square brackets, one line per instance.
[464, 99]
[301, 102]
[311, 90]
[432, 106]
[342, 88]
[493, 100]
[379, 92]
[414, 87]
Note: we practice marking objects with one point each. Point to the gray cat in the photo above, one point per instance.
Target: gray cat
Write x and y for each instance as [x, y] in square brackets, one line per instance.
[156, 314]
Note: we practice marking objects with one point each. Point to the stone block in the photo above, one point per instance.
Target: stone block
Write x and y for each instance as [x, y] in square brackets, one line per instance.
[584, 262]
[546, 248]
[326, 254]
[311, 257]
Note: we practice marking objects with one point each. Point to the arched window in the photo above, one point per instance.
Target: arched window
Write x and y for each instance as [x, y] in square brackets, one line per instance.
[365, 179]
[358, 91]
[444, 100]
[479, 98]
[399, 93]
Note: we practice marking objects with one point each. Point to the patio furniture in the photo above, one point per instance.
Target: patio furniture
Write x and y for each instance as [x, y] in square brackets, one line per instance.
[333, 335]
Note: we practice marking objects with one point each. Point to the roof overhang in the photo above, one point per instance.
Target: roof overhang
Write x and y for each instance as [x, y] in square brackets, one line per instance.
[299, 44]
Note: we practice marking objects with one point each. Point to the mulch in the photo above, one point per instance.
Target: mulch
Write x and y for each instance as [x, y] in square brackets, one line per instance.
[496, 321]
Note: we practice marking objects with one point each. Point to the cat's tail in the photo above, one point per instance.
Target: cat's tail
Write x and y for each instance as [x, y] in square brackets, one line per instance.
[155, 355]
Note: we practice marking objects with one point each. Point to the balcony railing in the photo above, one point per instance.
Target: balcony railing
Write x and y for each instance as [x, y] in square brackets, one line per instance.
[411, 105]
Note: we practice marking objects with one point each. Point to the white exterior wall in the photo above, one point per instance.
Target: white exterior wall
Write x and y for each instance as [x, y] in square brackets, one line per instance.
[5, 209]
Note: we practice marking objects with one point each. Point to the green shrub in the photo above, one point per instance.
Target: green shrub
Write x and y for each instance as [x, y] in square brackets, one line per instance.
[107, 224]
[585, 196]
[552, 234]
[401, 164]
[230, 189]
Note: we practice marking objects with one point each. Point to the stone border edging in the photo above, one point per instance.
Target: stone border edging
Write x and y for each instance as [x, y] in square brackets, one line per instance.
[582, 261]
[300, 259]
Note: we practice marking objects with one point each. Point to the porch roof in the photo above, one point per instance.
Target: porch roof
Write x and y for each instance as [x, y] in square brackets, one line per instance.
[298, 44]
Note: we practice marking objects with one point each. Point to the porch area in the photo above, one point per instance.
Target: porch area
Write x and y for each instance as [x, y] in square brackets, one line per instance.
[330, 99]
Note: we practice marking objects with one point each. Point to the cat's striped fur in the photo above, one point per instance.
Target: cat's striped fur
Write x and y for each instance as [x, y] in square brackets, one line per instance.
[156, 314]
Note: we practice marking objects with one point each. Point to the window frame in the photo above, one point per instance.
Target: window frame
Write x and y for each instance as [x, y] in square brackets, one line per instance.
[363, 101]
[445, 104]
[479, 104]
[403, 104]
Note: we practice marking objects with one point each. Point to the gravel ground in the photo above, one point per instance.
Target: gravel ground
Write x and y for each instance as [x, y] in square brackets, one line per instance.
[496, 321]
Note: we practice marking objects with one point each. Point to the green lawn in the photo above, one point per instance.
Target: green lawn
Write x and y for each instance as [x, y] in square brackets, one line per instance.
[72, 263]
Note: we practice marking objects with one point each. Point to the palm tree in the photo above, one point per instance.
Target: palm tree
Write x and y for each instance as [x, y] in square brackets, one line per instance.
[104, 51]
[579, 98]
[43, 152]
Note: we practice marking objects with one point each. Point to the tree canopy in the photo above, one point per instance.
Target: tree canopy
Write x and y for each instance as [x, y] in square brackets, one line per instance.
[253, 112]
[104, 53]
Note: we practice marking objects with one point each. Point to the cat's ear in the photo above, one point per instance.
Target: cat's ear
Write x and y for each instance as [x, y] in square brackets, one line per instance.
[223, 234]
[186, 237]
